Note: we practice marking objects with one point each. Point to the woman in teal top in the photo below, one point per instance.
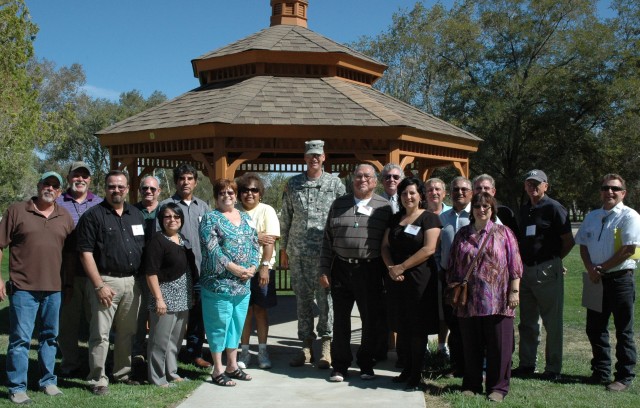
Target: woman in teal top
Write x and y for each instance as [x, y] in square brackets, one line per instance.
[230, 256]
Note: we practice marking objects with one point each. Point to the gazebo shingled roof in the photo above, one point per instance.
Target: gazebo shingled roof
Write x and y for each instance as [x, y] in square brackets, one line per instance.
[262, 96]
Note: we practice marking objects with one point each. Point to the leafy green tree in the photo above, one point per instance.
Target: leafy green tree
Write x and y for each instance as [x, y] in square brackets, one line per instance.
[94, 115]
[536, 79]
[20, 124]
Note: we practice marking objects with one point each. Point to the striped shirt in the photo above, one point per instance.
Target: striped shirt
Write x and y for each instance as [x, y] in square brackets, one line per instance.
[351, 232]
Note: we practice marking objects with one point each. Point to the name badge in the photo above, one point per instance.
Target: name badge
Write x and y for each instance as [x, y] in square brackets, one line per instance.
[137, 230]
[531, 230]
[364, 209]
[252, 223]
[412, 229]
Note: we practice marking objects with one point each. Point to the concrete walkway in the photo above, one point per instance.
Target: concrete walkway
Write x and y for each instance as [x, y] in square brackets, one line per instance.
[284, 386]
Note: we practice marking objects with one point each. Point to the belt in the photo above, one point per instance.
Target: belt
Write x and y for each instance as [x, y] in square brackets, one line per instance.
[615, 274]
[118, 274]
[358, 260]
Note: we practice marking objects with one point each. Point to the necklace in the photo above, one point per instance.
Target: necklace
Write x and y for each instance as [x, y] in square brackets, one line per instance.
[356, 216]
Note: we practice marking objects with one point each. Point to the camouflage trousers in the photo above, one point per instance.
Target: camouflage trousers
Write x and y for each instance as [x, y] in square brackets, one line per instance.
[304, 281]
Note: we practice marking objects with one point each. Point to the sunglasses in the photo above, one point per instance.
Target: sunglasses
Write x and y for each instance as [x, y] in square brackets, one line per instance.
[169, 217]
[145, 188]
[54, 186]
[226, 193]
[615, 189]
[253, 190]
[483, 206]
[392, 176]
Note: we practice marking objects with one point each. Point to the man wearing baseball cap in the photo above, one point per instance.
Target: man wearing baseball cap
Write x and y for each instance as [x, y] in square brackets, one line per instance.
[35, 231]
[545, 238]
[75, 310]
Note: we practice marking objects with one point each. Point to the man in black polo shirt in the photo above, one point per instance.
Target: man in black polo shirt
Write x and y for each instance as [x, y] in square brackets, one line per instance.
[110, 242]
[545, 238]
[351, 257]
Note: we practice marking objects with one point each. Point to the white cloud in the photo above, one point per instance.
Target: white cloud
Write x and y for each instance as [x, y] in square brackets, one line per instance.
[102, 93]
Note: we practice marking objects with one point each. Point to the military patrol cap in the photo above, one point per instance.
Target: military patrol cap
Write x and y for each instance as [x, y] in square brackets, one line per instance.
[537, 175]
[314, 147]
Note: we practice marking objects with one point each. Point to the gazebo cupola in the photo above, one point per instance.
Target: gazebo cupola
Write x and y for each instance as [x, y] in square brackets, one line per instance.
[289, 12]
[286, 49]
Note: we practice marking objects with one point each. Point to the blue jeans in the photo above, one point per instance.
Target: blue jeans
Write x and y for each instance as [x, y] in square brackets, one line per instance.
[25, 308]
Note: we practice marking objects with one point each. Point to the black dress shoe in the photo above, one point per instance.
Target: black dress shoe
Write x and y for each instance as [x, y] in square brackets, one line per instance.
[523, 372]
[598, 379]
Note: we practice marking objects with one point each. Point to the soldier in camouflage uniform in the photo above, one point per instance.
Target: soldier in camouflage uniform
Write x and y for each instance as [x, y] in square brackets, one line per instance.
[305, 205]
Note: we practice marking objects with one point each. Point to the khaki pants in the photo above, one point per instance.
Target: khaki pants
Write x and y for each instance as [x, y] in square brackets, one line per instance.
[122, 314]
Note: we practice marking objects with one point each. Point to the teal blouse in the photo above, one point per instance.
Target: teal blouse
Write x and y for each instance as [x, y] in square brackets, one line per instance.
[222, 242]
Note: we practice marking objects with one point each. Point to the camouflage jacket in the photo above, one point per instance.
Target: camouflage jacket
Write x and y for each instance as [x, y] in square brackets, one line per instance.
[305, 206]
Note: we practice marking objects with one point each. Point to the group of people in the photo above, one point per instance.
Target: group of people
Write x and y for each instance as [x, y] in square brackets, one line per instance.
[187, 271]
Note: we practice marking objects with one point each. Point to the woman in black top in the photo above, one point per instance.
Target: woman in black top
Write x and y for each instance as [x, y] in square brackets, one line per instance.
[407, 249]
[168, 264]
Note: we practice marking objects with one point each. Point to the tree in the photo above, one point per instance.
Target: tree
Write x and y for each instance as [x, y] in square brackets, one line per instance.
[94, 115]
[534, 78]
[20, 122]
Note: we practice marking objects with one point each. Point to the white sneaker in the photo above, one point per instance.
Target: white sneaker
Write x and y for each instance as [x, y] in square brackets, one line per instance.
[336, 376]
[244, 359]
[263, 359]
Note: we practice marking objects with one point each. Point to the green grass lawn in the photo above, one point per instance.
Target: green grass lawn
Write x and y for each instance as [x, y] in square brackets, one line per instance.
[76, 391]
[441, 392]
[571, 392]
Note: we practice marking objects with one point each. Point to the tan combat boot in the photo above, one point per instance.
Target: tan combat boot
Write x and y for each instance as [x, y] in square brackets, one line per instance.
[325, 359]
[304, 356]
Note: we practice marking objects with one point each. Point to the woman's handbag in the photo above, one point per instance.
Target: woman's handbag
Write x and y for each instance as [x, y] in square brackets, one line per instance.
[455, 294]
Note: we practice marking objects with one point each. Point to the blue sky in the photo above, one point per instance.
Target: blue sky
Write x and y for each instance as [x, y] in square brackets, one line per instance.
[148, 45]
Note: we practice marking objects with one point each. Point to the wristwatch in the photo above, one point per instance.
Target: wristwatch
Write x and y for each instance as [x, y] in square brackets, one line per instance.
[264, 263]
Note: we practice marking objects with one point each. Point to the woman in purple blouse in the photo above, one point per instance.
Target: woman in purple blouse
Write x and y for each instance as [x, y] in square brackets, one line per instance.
[486, 321]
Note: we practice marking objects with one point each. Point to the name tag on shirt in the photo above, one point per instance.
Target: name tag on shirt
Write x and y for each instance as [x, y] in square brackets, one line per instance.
[137, 230]
[412, 229]
[252, 223]
[531, 230]
[364, 209]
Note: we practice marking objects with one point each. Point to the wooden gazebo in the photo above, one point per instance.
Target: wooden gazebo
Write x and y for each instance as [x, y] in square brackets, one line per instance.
[261, 97]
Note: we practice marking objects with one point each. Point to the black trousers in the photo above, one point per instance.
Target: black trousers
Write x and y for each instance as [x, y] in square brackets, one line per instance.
[360, 284]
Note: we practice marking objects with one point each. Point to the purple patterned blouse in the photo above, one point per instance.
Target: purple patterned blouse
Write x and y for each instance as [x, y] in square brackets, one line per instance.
[489, 282]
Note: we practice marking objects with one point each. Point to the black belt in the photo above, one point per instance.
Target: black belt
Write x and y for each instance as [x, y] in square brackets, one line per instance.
[615, 274]
[118, 274]
[358, 260]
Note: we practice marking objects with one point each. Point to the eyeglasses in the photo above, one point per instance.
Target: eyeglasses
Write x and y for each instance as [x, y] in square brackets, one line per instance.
[483, 206]
[392, 176]
[226, 193]
[364, 177]
[84, 176]
[54, 186]
[460, 189]
[171, 217]
[615, 189]
[253, 190]
[116, 187]
[145, 188]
